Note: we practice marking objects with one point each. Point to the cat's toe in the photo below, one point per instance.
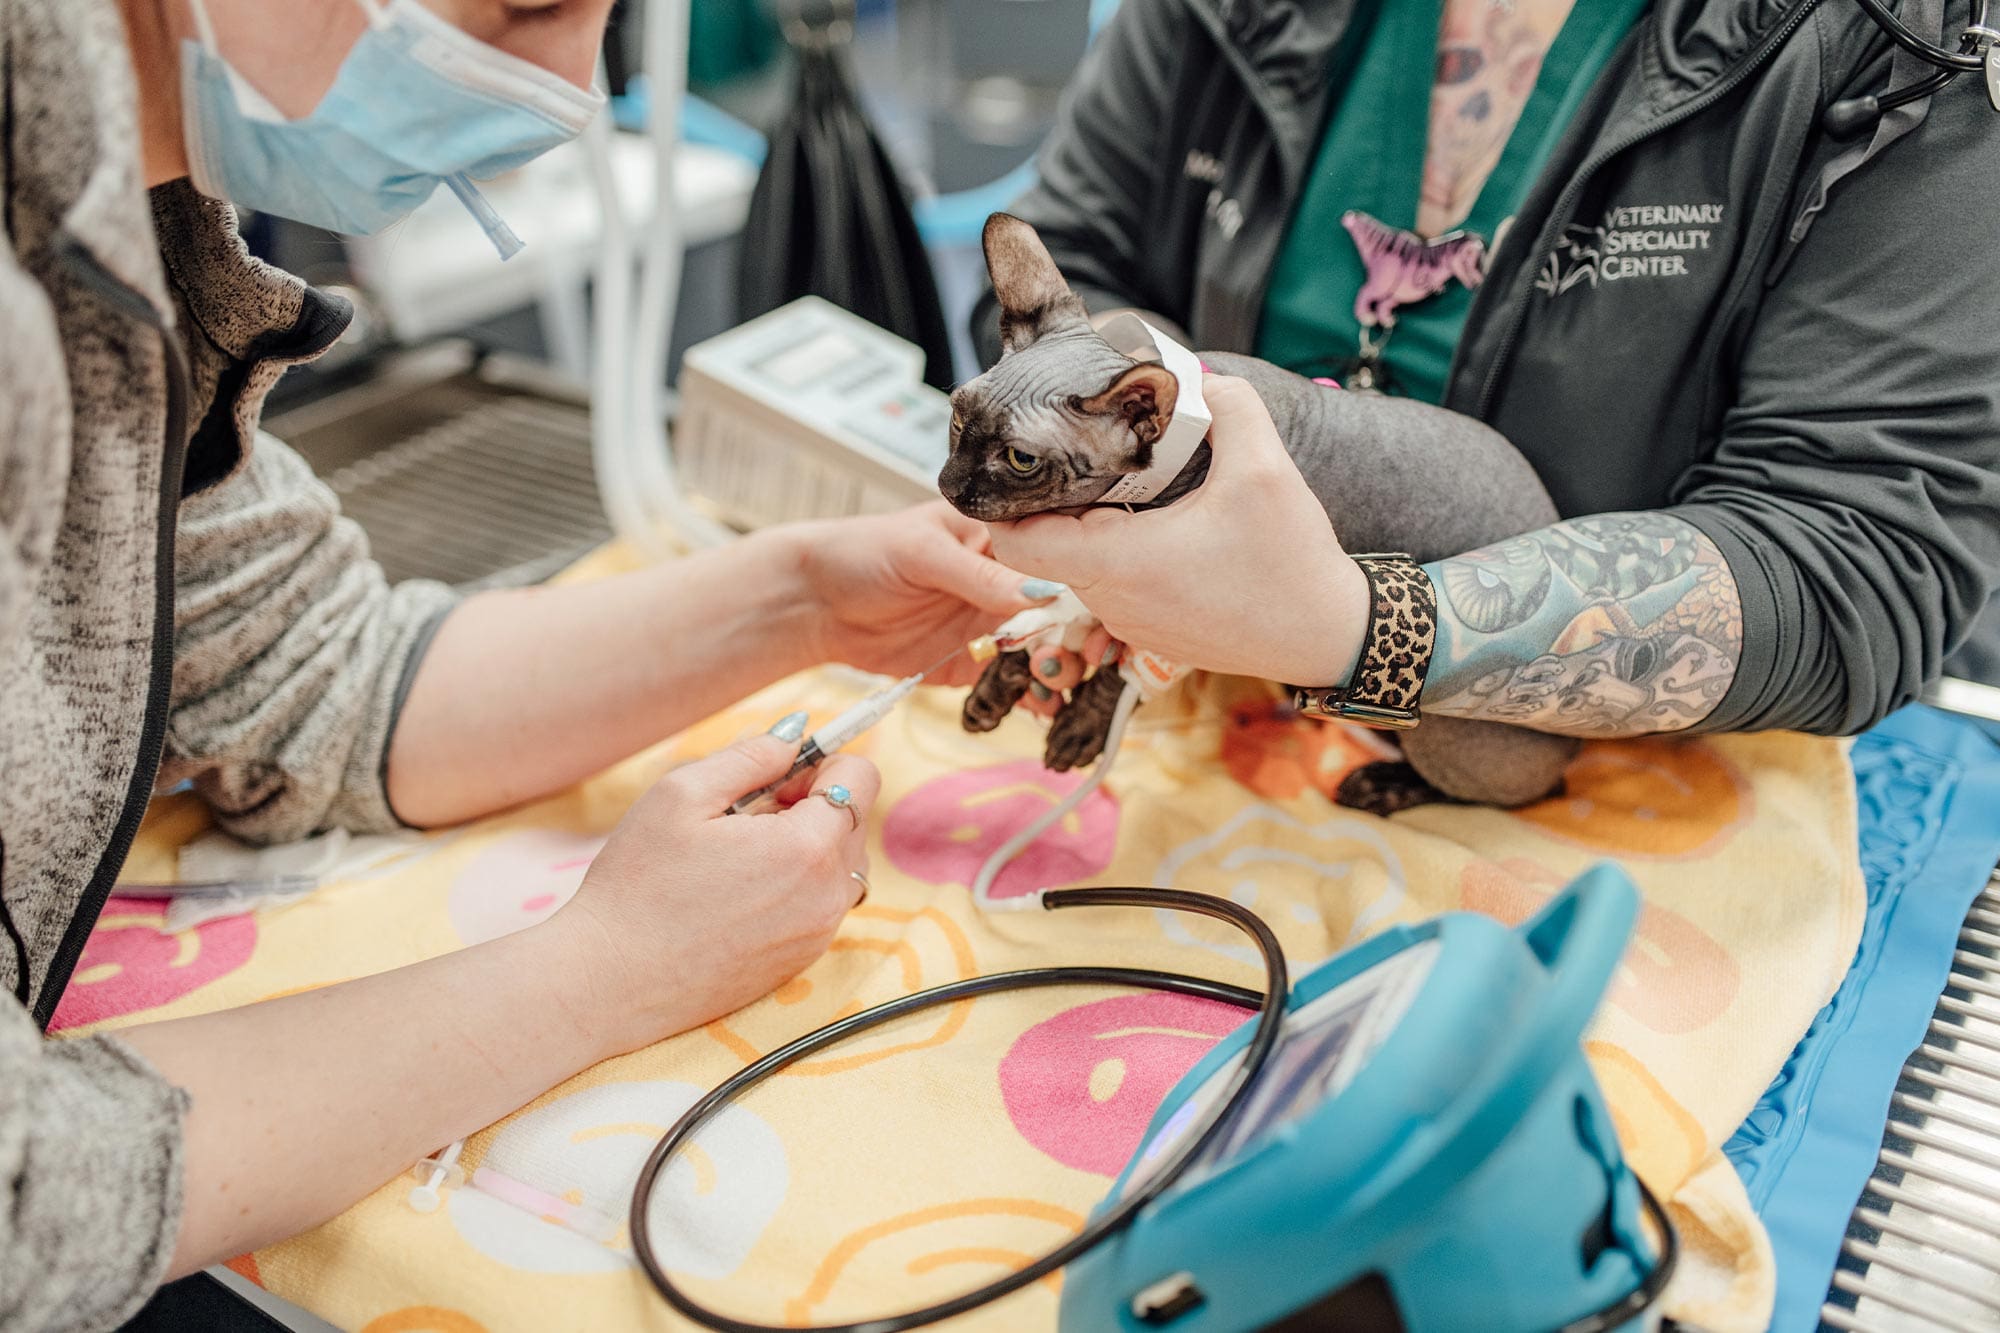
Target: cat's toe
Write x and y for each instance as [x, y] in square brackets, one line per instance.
[981, 715]
[1074, 746]
[1386, 788]
[998, 689]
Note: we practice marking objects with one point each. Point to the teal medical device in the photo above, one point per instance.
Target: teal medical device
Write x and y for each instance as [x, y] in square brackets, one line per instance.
[1426, 1151]
[1408, 1141]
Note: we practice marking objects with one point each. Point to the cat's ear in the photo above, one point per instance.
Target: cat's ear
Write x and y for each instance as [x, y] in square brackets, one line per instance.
[1034, 299]
[1144, 396]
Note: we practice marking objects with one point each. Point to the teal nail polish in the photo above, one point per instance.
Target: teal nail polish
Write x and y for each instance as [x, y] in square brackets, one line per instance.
[1051, 666]
[1040, 590]
[790, 727]
[1110, 655]
[1041, 692]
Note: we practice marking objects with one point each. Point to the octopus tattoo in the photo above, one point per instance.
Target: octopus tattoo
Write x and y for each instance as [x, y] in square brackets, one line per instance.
[1616, 625]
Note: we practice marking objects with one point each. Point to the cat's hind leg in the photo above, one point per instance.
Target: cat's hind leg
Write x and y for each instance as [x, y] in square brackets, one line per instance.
[1077, 735]
[999, 688]
[1488, 763]
[1457, 760]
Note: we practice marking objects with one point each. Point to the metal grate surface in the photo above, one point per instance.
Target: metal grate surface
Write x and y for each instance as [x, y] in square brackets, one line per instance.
[1923, 1246]
[501, 493]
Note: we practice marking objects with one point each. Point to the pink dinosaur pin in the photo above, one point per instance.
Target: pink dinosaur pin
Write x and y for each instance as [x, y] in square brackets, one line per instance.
[1404, 268]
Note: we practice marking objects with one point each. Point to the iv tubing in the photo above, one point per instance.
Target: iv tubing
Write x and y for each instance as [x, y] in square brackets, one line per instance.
[982, 883]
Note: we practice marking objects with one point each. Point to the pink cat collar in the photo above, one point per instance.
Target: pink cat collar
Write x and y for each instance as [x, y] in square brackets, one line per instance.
[1189, 425]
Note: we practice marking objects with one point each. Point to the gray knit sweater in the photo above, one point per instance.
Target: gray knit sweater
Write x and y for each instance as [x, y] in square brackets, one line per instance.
[179, 598]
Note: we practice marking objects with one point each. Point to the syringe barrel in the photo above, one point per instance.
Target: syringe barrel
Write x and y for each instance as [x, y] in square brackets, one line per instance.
[859, 717]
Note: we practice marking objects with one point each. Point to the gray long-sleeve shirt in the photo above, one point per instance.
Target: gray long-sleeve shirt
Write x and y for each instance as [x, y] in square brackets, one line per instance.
[1704, 304]
[177, 594]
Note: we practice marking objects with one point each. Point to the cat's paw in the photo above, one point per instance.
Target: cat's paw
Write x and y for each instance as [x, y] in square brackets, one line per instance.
[1385, 788]
[996, 692]
[1077, 736]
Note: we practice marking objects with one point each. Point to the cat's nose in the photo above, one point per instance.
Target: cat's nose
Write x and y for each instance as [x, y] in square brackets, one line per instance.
[954, 477]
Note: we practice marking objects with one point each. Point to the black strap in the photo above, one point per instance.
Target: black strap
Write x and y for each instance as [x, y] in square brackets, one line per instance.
[203, 1302]
[13, 933]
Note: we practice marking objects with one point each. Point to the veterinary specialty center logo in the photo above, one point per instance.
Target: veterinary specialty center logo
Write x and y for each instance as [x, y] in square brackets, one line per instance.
[1634, 241]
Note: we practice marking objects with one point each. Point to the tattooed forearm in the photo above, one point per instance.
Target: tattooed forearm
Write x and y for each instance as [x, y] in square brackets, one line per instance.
[1617, 625]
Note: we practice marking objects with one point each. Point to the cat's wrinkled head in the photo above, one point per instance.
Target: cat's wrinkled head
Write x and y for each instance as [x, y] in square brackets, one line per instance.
[1064, 414]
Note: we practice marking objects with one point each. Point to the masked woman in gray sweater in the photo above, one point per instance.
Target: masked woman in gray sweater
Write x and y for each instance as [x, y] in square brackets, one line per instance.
[181, 599]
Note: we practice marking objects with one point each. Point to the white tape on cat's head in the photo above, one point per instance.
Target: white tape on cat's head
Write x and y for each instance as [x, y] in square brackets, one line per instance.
[1188, 428]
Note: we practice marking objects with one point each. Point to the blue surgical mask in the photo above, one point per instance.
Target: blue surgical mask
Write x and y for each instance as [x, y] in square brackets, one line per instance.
[418, 102]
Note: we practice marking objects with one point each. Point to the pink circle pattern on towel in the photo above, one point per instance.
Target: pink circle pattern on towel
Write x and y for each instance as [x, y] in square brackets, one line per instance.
[1083, 1086]
[130, 964]
[519, 880]
[942, 832]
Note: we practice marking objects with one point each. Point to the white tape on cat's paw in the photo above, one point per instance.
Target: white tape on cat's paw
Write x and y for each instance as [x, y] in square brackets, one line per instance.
[1191, 420]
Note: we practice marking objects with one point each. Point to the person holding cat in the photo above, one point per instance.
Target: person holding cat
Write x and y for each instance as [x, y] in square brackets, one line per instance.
[1750, 359]
[181, 599]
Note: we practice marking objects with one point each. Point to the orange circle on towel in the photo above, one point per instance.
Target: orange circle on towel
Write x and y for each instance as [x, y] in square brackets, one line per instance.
[1662, 1141]
[1654, 797]
[967, 1240]
[1279, 755]
[908, 947]
[1674, 977]
[423, 1319]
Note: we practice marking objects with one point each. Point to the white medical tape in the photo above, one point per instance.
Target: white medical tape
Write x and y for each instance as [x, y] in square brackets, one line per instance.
[1189, 424]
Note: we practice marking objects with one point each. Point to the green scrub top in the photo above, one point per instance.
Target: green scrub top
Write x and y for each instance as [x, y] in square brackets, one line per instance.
[1371, 158]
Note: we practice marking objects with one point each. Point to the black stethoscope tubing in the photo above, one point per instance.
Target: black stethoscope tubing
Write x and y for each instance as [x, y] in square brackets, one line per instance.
[1850, 116]
[1966, 59]
[1270, 1007]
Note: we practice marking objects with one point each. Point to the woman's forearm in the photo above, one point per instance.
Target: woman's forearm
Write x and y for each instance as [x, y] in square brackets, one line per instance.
[302, 1105]
[1613, 625]
[526, 691]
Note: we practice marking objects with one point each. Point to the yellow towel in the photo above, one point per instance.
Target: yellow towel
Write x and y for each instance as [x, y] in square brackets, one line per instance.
[926, 1158]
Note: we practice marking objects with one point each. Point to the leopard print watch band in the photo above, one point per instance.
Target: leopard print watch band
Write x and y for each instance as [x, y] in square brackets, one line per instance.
[1396, 648]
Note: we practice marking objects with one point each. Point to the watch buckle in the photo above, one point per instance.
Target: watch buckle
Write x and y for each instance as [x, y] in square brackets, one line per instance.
[1375, 715]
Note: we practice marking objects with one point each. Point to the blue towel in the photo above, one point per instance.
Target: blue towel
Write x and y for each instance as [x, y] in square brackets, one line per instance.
[1929, 791]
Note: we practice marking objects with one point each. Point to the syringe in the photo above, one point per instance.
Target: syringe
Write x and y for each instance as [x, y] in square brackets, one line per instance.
[831, 738]
[843, 729]
[496, 228]
[835, 735]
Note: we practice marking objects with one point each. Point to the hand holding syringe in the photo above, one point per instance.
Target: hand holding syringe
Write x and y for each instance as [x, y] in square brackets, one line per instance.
[838, 733]
[847, 725]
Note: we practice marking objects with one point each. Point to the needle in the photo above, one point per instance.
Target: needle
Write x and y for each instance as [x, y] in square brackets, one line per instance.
[944, 661]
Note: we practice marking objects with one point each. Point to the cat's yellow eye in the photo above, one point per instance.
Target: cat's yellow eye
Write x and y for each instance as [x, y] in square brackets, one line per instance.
[1020, 462]
[957, 424]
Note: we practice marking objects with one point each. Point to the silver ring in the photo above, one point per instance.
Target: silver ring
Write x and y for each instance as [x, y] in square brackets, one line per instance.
[840, 798]
[862, 880]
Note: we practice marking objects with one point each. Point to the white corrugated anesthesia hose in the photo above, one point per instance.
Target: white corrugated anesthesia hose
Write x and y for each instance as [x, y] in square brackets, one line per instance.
[610, 362]
[629, 444]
